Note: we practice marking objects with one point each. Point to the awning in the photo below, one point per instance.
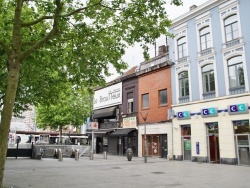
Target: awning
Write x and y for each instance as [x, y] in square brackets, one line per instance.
[121, 132]
[100, 132]
[105, 112]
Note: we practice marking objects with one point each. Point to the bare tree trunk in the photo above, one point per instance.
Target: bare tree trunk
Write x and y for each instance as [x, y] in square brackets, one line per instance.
[13, 78]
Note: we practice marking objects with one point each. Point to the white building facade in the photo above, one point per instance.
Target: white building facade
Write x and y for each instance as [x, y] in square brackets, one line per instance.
[210, 83]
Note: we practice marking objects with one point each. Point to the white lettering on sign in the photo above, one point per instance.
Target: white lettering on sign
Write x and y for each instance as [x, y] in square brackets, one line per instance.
[108, 96]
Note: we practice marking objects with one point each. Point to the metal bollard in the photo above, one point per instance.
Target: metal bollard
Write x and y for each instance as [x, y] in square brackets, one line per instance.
[60, 155]
[105, 155]
[91, 155]
[76, 155]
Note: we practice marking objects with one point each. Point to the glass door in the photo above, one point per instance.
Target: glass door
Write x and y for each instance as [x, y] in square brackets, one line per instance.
[186, 142]
[242, 141]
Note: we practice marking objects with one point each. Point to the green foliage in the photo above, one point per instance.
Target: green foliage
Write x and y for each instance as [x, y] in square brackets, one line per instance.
[91, 35]
[72, 107]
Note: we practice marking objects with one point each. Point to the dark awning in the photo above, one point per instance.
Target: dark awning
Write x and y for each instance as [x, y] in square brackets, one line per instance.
[105, 112]
[121, 132]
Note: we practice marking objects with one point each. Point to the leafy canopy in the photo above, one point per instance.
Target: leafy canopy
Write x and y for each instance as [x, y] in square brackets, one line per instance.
[90, 35]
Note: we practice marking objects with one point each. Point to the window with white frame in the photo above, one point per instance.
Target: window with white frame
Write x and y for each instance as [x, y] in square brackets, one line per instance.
[183, 84]
[231, 28]
[236, 72]
[205, 38]
[208, 78]
[145, 100]
[163, 99]
[182, 47]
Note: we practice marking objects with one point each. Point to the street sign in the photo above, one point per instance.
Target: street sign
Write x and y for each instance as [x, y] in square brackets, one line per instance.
[92, 126]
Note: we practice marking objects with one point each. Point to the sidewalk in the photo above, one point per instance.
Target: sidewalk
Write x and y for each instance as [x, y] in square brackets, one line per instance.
[117, 171]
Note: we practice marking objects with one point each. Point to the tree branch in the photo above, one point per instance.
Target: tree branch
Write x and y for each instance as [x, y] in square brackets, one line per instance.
[23, 24]
[27, 24]
[49, 36]
[5, 48]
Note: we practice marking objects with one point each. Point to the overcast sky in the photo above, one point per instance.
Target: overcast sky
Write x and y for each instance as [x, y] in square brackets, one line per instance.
[134, 54]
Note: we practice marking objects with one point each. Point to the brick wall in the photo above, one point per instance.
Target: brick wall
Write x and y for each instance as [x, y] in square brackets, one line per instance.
[151, 83]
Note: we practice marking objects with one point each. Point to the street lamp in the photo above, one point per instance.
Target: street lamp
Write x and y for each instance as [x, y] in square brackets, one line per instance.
[144, 116]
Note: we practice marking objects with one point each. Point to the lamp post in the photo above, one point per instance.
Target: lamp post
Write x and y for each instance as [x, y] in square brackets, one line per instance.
[144, 116]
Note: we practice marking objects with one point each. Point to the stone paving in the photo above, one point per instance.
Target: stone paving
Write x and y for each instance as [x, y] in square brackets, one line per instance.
[117, 171]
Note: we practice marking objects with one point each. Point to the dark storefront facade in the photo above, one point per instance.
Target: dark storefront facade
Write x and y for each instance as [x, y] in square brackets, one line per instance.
[115, 110]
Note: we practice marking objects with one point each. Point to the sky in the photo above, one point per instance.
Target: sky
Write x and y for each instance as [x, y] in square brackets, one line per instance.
[134, 55]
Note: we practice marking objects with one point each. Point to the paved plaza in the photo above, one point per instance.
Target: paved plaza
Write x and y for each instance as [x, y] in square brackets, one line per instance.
[117, 171]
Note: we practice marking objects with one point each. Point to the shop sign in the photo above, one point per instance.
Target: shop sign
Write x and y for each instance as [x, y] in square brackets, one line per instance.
[129, 122]
[208, 112]
[238, 109]
[183, 115]
[92, 126]
[109, 96]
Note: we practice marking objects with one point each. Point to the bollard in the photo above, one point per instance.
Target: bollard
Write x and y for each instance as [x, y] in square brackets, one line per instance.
[91, 155]
[60, 155]
[76, 155]
[105, 155]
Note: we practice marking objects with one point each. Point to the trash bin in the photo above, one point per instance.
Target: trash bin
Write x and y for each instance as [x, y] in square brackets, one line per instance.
[129, 153]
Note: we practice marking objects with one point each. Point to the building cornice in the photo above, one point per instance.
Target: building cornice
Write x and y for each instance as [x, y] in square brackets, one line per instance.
[196, 12]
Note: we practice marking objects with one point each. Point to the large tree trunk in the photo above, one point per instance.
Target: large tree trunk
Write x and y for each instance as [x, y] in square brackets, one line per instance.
[13, 78]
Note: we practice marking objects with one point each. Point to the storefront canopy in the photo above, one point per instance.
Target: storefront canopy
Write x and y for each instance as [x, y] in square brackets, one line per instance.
[105, 112]
[121, 132]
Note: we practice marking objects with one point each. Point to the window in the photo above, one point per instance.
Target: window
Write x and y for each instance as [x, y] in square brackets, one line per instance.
[231, 28]
[183, 84]
[236, 72]
[145, 100]
[205, 39]
[163, 100]
[208, 78]
[130, 105]
[181, 45]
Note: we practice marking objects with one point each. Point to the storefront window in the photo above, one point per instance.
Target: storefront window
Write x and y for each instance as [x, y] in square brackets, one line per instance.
[185, 130]
[241, 127]
[212, 128]
[105, 141]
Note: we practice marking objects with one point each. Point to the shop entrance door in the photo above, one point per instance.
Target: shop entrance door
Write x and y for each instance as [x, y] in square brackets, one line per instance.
[164, 145]
[213, 142]
[153, 143]
[242, 141]
[186, 142]
[214, 153]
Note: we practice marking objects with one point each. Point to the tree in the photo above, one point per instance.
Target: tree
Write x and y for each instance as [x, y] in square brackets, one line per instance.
[36, 35]
[71, 108]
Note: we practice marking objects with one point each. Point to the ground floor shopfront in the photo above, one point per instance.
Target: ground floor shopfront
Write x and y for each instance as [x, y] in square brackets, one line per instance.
[215, 131]
[116, 142]
[158, 140]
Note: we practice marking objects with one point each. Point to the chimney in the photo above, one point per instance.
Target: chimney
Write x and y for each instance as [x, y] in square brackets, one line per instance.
[162, 50]
[192, 7]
